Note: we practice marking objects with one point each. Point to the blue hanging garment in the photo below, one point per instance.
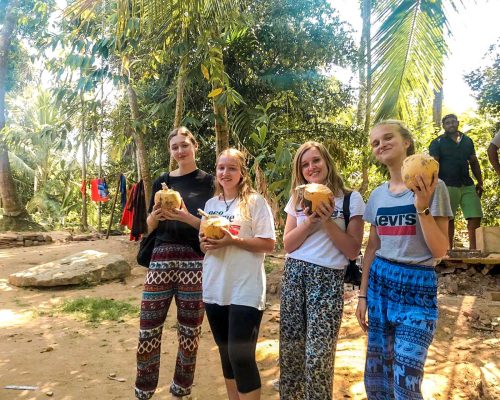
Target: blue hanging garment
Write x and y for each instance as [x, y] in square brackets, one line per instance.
[123, 190]
[102, 188]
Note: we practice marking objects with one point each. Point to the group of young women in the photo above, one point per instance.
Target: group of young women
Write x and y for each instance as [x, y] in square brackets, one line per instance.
[225, 277]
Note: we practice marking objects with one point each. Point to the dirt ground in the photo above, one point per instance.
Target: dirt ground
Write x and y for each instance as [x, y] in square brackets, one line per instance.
[69, 359]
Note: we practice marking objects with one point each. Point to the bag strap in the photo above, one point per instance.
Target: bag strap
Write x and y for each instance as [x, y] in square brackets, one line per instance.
[346, 208]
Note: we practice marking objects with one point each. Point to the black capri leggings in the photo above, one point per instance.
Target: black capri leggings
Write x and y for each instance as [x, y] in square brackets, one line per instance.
[235, 329]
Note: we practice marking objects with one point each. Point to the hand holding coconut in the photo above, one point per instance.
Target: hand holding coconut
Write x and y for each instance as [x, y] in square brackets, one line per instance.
[170, 206]
[317, 201]
[214, 232]
[420, 175]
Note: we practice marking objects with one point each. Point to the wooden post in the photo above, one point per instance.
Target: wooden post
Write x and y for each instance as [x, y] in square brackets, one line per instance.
[113, 208]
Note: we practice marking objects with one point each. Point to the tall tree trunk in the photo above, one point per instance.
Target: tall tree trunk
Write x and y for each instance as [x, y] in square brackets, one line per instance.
[437, 108]
[361, 110]
[179, 96]
[84, 216]
[139, 143]
[12, 206]
[366, 39]
[221, 127]
[179, 101]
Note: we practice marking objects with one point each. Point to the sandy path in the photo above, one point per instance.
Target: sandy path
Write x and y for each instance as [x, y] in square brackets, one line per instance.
[73, 359]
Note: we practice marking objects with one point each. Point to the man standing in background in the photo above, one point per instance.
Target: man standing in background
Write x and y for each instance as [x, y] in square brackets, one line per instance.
[493, 152]
[455, 153]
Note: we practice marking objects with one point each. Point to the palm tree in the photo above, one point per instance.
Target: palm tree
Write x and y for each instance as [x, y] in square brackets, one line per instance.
[12, 207]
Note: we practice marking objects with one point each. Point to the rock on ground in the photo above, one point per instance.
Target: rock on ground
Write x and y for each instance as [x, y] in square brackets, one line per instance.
[490, 382]
[86, 267]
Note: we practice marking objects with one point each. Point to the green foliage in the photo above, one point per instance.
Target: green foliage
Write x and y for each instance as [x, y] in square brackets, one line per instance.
[485, 84]
[265, 61]
[98, 309]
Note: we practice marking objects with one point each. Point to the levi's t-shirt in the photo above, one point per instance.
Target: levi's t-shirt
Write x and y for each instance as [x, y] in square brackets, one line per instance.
[398, 227]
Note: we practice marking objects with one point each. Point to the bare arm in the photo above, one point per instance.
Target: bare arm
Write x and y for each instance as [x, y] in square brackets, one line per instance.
[476, 170]
[349, 241]
[294, 235]
[434, 229]
[372, 246]
[254, 244]
[154, 218]
[493, 157]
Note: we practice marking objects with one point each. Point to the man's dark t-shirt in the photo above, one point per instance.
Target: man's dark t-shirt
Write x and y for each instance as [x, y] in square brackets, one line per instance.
[453, 159]
[195, 188]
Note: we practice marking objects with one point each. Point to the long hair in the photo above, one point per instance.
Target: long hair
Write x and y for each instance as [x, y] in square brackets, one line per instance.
[245, 189]
[333, 179]
[404, 132]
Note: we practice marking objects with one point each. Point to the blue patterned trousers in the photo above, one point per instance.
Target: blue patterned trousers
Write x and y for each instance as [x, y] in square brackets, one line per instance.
[402, 314]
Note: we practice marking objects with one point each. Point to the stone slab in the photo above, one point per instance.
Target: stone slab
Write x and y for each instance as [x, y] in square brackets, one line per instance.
[85, 267]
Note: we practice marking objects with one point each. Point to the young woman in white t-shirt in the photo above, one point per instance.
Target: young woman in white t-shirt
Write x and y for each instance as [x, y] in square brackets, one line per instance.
[318, 247]
[234, 280]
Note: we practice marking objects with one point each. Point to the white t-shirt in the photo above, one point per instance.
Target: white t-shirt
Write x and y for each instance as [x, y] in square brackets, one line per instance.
[318, 248]
[496, 139]
[232, 275]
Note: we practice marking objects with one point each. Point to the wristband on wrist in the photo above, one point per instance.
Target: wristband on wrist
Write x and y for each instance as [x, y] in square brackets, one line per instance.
[361, 297]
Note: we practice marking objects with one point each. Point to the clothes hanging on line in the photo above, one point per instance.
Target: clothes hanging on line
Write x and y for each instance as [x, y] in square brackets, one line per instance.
[128, 211]
[135, 214]
[139, 223]
[99, 190]
[123, 190]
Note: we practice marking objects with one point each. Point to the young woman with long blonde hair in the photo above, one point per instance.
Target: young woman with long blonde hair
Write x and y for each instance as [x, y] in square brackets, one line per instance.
[234, 280]
[318, 246]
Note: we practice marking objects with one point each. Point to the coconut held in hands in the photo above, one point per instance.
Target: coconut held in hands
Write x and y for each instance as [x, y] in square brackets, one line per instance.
[168, 199]
[212, 227]
[314, 194]
[419, 164]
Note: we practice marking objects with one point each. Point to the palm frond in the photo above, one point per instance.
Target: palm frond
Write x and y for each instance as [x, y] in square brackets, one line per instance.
[408, 51]
[19, 165]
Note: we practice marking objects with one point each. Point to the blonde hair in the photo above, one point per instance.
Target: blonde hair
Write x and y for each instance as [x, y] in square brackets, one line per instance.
[403, 131]
[181, 130]
[333, 179]
[245, 189]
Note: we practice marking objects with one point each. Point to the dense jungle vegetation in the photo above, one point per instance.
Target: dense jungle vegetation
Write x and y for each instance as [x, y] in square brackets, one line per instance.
[92, 88]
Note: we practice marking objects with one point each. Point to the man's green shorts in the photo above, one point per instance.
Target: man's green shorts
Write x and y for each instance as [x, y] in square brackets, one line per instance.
[468, 200]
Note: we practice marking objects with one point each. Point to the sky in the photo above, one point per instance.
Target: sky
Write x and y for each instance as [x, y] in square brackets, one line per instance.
[475, 28]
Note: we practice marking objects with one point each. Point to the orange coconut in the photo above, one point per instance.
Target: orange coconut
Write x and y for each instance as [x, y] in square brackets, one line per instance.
[167, 198]
[314, 194]
[419, 164]
[212, 227]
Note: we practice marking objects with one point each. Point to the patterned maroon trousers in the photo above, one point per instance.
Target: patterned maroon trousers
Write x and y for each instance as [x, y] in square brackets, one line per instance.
[175, 270]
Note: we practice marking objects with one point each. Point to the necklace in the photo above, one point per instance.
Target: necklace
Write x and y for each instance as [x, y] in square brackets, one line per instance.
[230, 203]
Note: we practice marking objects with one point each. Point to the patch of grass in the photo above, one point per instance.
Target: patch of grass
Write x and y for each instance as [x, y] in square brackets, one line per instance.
[96, 309]
[20, 303]
[268, 265]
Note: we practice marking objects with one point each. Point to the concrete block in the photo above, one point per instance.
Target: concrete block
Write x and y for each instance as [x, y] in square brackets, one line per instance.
[488, 239]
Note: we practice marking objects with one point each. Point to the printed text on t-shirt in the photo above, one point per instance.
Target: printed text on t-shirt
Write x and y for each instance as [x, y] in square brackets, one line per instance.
[399, 220]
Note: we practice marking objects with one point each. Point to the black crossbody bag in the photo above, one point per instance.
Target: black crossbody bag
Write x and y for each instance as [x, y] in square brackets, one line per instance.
[147, 244]
[353, 270]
